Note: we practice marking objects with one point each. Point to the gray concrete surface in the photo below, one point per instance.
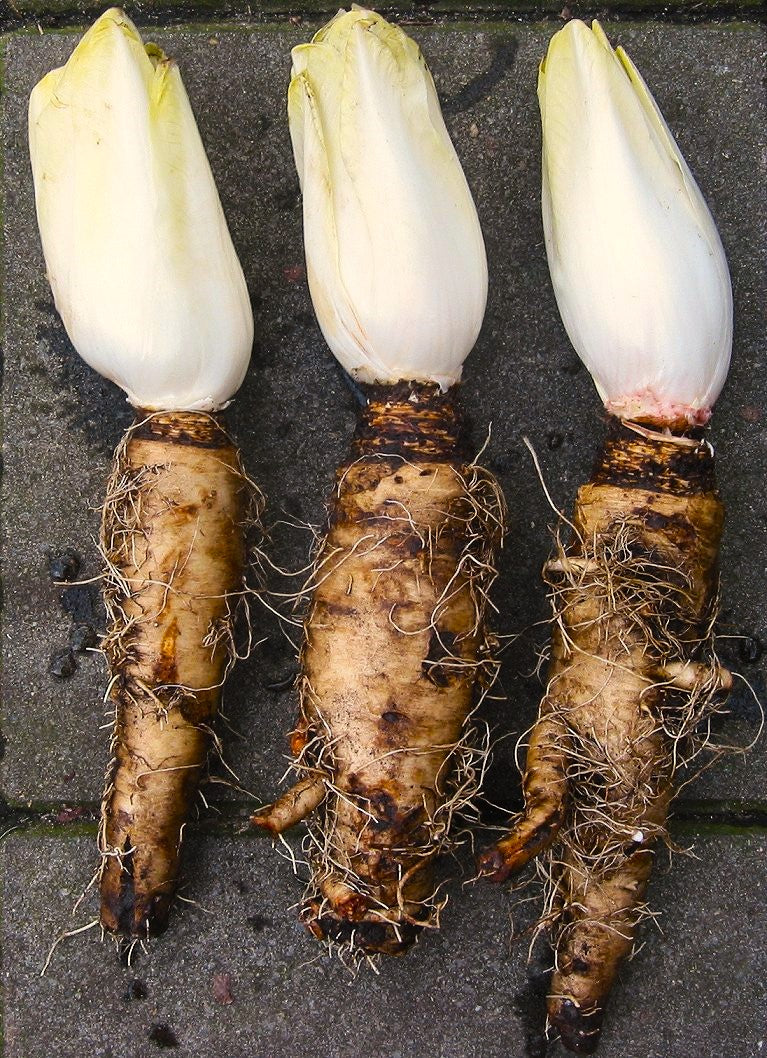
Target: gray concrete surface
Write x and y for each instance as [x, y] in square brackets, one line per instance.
[459, 994]
[697, 989]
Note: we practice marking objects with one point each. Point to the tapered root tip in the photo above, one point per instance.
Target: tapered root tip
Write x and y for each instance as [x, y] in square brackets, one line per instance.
[493, 865]
[129, 914]
[529, 838]
[264, 821]
[578, 1029]
[371, 935]
[136, 920]
[294, 805]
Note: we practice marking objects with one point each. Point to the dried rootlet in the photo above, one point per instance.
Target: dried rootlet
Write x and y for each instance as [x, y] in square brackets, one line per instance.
[394, 652]
[173, 536]
[633, 674]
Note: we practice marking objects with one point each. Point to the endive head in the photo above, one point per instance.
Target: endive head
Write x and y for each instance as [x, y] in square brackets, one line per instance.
[394, 252]
[636, 262]
[138, 253]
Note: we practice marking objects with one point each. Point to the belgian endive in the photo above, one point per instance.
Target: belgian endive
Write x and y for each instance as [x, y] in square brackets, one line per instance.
[395, 639]
[394, 252]
[152, 295]
[138, 252]
[637, 264]
[633, 677]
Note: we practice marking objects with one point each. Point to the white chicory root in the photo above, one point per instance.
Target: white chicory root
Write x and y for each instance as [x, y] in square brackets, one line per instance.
[152, 295]
[396, 650]
[643, 288]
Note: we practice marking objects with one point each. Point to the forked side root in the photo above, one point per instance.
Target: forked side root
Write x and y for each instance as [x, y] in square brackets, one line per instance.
[294, 805]
[544, 788]
[633, 674]
[395, 656]
[174, 531]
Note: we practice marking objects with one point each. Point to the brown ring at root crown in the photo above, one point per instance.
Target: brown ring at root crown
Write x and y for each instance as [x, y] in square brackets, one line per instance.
[414, 420]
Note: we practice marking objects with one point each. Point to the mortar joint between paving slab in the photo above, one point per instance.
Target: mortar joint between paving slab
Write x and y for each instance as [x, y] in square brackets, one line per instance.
[72, 820]
[37, 15]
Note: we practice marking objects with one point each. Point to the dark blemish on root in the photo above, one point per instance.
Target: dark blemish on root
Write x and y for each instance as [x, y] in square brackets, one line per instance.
[372, 937]
[385, 807]
[118, 899]
[335, 609]
[392, 727]
[441, 646]
[377, 802]
[542, 837]
[676, 527]
[392, 717]
[578, 1029]
[411, 420]
[62, 664]
[629, 461]
[195, 709]
[124, 819]
[190, 428]
[165, 670]
[163, 1035]
[126, 898]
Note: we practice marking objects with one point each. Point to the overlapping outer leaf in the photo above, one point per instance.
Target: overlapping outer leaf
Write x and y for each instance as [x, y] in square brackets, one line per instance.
[139, 256]
[637, 264]
[395, 257]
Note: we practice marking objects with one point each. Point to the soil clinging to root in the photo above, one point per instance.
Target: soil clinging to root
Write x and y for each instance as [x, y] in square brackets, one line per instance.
[633, 680]
[177, 587]
[395, 657]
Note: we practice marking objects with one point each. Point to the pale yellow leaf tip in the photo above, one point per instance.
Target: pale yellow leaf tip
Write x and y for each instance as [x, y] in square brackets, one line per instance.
[601, 36]
[155, 54]
[113, 18]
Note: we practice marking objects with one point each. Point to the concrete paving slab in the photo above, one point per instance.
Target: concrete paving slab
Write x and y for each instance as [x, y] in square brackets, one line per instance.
[697, 988]
[243, 980]
[294, 414]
